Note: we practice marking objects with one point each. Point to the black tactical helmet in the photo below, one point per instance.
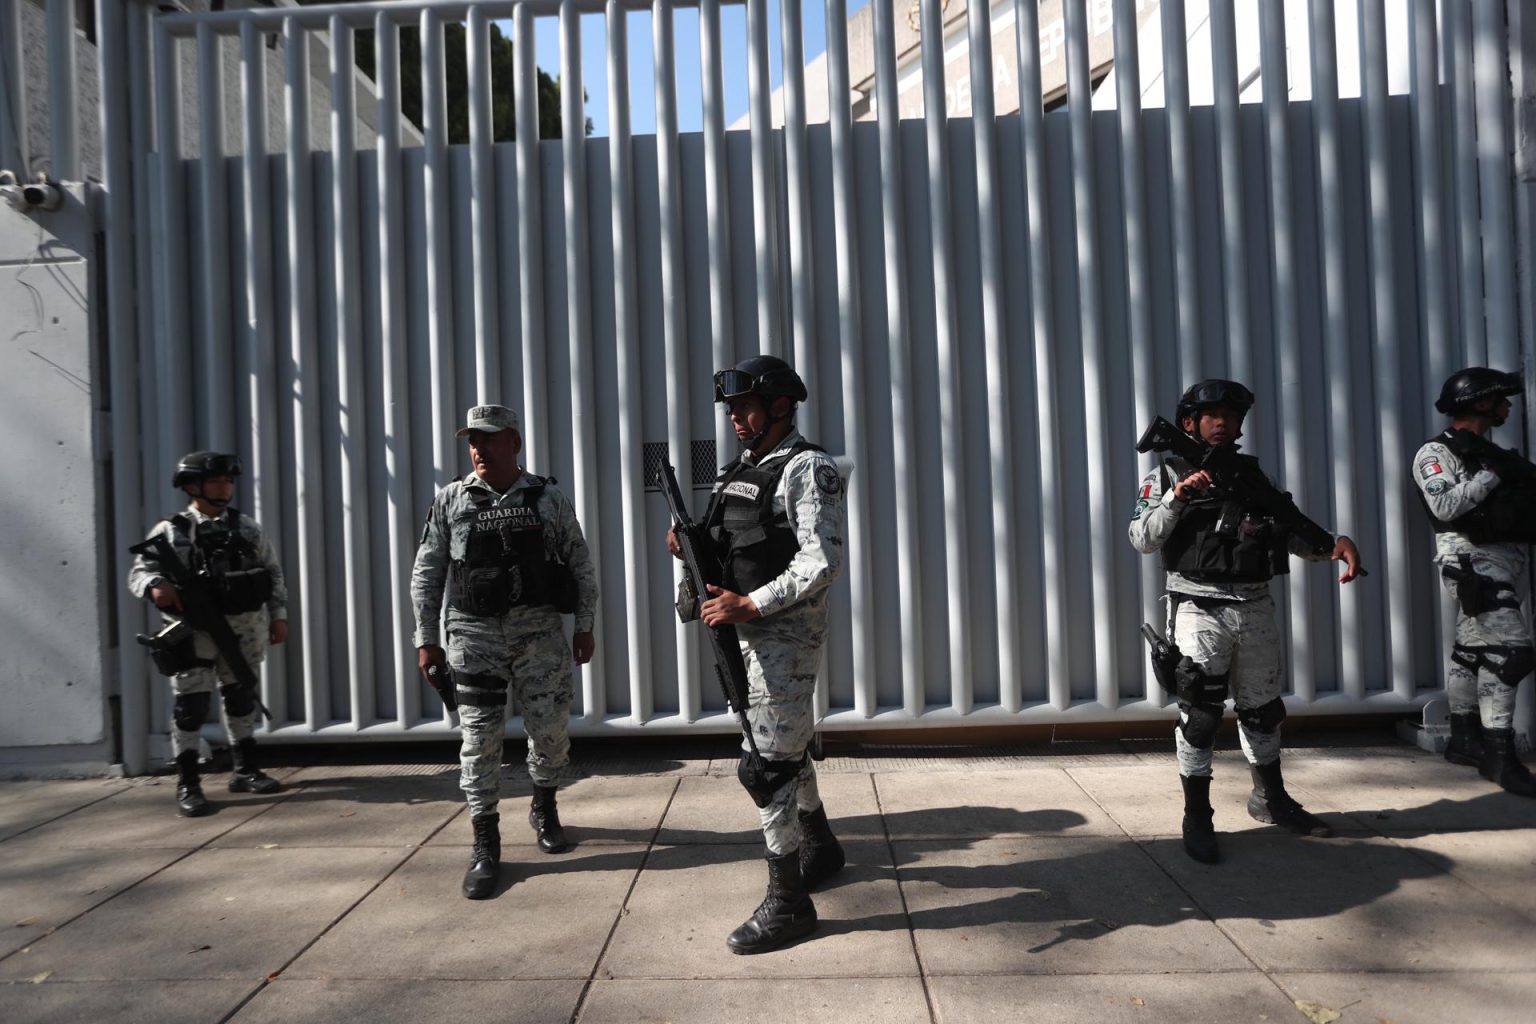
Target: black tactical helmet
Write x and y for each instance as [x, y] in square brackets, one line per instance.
[197, 465]
[1214, 392]
[1472, 384]
[767, 376]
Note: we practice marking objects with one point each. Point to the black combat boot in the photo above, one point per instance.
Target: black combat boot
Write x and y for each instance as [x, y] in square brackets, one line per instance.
[1199, 833]
[821, 855]
[1501, 763]
[546, 820]
[484, 860]
[1271, 804]
[247, 776]
[785, 914]
[1466, 745]
[190, 802]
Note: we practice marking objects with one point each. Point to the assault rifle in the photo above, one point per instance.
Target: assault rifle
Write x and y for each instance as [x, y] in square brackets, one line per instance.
[200, 611]
[1239, 476]
[730, 666]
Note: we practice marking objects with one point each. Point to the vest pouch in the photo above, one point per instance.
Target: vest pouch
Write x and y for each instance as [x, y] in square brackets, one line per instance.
[242, 590]
[486, 591]
[562, 587]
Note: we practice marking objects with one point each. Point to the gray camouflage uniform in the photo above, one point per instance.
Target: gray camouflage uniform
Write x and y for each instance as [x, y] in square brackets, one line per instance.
[1484, 642]
[1237, 632]
[783, 647]
[250, 628]
[526, 647]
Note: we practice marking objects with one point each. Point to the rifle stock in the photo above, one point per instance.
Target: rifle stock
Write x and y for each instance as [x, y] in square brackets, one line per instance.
[201, 612]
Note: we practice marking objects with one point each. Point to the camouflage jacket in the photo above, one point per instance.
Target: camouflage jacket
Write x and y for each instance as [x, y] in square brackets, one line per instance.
[145, 571]
[1451, 488]
[444, 537]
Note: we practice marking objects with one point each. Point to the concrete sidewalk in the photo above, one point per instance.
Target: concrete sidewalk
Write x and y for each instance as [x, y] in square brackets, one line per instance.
[990, 886]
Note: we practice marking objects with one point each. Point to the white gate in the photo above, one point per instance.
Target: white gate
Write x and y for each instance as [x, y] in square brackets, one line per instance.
[986, 309]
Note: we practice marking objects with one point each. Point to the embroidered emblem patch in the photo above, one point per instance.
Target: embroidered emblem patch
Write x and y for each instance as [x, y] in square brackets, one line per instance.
[1436, 487]
[1146, 489]
[1141, 506]
[828, 480]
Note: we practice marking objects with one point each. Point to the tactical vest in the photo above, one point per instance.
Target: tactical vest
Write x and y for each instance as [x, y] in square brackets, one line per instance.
[507, 563]
[1508, 514]
[227, 559]
[1219, 540]
[753, 542]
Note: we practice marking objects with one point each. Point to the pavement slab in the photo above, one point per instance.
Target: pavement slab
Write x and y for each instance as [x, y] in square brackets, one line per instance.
[1498, 864]
[411, 1000]
[548, 919]
[1038, 801]
[757, 1001]
[1029, 905]
[214, 914]
[715, 809]
[1295, 903]
[345, 807]
[43, 886]
[143, 816]
[1236, 997]
[121, 1002]
[1147, 801]
[616, 811]
[1487, 997]
[25, 805]
[689, 898]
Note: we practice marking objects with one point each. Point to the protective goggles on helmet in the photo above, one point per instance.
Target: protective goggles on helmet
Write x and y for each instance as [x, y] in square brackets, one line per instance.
[1218, 392]
[222, 465]
[731, 384]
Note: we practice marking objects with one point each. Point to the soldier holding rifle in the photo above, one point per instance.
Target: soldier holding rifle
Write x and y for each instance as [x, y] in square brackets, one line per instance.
[1224, 531]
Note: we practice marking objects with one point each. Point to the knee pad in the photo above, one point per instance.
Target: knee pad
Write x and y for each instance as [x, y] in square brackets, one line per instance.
[1264, 718]
[239, 701]
[190, 710]
[1509, 665]
[762, 778]
[1200, 724]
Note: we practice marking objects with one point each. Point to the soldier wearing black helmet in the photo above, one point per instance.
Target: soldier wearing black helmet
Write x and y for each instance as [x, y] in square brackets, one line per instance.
[215, 540]
[1480, 500]
[776, 524]
[1220, 555]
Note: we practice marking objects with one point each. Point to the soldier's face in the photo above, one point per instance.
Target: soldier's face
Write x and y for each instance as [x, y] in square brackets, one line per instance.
[1497, 410]
[748, 415]
[217, 491]
[494, 455]
[1217, 424]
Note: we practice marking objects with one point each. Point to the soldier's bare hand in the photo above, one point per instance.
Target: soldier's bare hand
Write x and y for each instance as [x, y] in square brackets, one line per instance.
[1193, 484]
[277, 632]
[428, 655]
[165, 596]
[583, 646]
[1344, 550]
[672, 544]
[724, 608]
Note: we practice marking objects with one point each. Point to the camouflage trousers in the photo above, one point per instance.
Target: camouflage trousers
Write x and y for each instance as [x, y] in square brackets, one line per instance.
[491, 672]
[1243, 639]
[251, 630]
[1484, 644]
[781, 709]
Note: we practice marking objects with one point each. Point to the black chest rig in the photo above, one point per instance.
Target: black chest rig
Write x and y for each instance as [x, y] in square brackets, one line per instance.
[1508, 514]
[227, 559]
[1221, 540]
[754, 543]
[507, 563]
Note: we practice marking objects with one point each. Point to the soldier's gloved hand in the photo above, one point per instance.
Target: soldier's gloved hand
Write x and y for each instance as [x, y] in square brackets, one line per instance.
[165, 595]
[277, 631]
[583, 646]
[428, 655]
[672, 545]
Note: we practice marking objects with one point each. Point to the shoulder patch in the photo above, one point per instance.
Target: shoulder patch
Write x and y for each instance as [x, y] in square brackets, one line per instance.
[1430, 466]
[827, 478]
[1436, 487]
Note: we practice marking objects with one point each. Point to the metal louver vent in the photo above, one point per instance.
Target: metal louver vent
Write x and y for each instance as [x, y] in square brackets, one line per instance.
[702, 457]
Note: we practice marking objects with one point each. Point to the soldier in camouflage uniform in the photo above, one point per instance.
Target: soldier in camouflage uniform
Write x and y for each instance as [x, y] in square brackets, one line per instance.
[1220, 555]
[501, 557]
[216, 541]
[776, 521]
[1479, 498]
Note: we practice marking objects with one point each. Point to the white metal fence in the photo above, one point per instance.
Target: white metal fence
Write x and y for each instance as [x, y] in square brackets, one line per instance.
[986, 310]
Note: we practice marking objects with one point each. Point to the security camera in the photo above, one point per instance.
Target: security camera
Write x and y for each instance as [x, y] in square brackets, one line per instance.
[40, 195]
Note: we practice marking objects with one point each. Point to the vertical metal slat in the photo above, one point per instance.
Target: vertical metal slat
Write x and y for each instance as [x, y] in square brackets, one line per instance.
[1193, 359]
[764, 187]
[717, 199]
[439, 228]
[215, 410]
[63, 74]
[14, 147]
[1469, 246]
[1229, 149]
[798, 195]
[482, 208]
[530, 240]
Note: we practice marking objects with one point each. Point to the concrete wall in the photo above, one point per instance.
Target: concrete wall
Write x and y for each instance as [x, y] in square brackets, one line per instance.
[53, 706]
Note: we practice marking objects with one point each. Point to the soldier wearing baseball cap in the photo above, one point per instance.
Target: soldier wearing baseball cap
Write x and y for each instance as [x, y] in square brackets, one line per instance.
[501, 558]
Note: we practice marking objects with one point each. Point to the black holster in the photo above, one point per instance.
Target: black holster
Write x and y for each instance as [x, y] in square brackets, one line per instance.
[172, 649]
